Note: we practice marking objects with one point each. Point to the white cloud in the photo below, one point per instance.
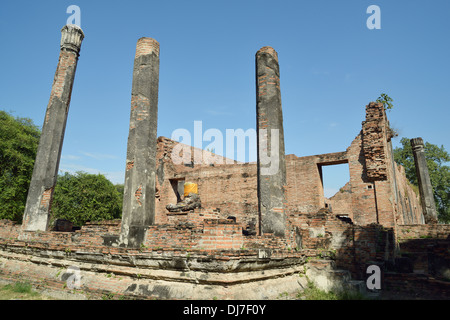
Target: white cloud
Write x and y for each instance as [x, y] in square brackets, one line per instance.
[98, 156]
[72, 168]
[116, 177]
[70, 157]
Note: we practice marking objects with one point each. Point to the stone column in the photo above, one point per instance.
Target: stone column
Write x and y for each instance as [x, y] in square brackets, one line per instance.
[46, 165]
[423, 179]
[270, 136]
[139, 191]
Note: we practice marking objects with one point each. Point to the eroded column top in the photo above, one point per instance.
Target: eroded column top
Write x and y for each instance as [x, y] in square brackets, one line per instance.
[270, 51]
[147, 46]
[417, 143]
[71, 37]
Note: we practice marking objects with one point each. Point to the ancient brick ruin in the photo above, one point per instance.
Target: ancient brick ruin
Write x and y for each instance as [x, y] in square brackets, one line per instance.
[255, 235]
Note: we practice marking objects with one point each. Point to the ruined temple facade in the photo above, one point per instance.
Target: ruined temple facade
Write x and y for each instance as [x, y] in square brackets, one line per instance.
[257, 199]
[254, 236]
[377, 192]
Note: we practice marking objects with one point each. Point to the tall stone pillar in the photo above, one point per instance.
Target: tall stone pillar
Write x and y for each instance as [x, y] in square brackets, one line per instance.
[46, 165]
[139, 191]
[271, 164]
[423, 179]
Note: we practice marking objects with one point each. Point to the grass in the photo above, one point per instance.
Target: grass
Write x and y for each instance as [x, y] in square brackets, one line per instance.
[24, 291]
[19, 291]
[311, 292]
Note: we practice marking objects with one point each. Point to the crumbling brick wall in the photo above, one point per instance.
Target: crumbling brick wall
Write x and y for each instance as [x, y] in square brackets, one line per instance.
[378, 191]
[374, 142]
[230, 187]
[426, 249]
[408, 203]
[229, 190]
[304, 191]
[353, 247]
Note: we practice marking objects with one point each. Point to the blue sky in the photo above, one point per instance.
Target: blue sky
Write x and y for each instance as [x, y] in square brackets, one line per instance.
[331, 66]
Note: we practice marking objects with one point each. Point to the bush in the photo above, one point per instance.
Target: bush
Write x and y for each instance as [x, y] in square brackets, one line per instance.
[82, 197]
[19, 139]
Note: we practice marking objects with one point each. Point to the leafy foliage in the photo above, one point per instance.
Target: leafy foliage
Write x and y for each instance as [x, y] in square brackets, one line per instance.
[82, 197]
[78, 197]
[120, 188]
[19, 140]
[436, 157]
[386, 101]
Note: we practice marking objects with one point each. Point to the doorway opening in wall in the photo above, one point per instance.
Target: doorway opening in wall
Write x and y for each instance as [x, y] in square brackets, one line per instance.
[178, 188]
[335, 178]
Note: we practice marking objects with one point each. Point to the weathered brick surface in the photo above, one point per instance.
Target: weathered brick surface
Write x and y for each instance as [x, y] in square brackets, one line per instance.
[378, 191]
[43, 180]
[220, 234]
[423, 231]
[373, 209]
[111, 226]
[374, 142]
[9, 229]
[229, 206]
[408, 204]
[139, 186]
[376, 213]
[427, 247]
[353, 246]
[175, 261]
[147, 46]
[416, 286]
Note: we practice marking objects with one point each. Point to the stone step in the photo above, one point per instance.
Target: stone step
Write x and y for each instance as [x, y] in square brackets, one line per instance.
[326, 277]
[322, 264]
[343, 275]
[357, 285]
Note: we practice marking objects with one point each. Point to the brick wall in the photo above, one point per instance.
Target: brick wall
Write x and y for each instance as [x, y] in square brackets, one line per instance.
[9, 229]
[353, 247]
[424, 231]
[304, 191]
[416, 286]
[219, 234]
[170, 237]
[378, 191]
[195, 216]
[425, 251]
[379, 195]
[230, 187]
[374, 142]
[408, 200]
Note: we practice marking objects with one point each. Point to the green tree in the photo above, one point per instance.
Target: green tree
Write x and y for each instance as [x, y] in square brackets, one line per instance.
[19, 140]
[120, 188]
[82, 197]
[437, 157]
